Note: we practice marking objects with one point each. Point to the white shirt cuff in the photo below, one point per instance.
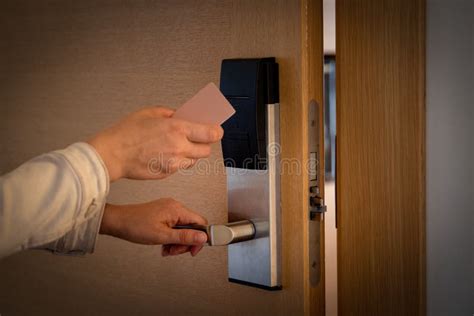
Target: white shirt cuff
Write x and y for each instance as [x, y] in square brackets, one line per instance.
[94, 179]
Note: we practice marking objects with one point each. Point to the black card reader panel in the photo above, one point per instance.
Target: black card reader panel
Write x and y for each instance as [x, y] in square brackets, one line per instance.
[249, 85]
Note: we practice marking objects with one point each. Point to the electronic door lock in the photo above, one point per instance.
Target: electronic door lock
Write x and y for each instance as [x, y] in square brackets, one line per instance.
[251, 149]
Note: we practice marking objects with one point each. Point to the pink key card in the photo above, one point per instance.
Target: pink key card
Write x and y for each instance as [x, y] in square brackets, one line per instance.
[208, 106]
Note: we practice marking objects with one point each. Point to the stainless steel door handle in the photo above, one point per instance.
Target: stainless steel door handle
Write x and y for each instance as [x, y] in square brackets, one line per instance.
[221, 235]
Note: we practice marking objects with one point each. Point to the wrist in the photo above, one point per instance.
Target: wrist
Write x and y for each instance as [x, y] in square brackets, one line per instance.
[110, 224]
[111, 161]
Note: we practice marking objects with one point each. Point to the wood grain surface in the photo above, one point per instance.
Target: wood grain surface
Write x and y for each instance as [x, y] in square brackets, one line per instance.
[70, 68]
[381, 156]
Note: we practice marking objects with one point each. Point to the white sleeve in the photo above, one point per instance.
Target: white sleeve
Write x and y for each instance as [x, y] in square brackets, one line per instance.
[55, 200]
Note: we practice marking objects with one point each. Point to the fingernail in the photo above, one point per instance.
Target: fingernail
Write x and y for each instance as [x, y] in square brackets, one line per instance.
[200, 238]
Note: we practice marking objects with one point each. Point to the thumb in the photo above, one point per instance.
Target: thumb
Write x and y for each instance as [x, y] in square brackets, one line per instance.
[186, 237]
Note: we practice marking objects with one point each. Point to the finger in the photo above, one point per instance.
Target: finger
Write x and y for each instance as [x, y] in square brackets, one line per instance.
[165, 250]
[203, 133]
[195, 250]
[187, 163]
[185, 237]
[179, 249]
[161, 111]
[197, 150]
[186, 216]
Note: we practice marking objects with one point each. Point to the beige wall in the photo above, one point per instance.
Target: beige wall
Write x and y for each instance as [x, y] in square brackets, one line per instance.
[69, 68]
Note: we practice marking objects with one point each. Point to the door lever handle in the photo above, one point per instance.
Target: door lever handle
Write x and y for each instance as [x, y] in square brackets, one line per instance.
[221, 235]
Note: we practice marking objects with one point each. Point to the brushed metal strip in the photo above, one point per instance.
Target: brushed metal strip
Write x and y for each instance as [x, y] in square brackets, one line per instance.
[255, 195]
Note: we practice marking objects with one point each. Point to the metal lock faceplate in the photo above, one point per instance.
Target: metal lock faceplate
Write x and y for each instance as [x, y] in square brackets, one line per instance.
[251, 147]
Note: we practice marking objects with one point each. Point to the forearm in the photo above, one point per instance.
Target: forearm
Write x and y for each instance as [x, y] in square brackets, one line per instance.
[49, 196]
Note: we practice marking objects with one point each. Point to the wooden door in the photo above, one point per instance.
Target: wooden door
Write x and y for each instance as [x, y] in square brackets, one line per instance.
[69, 68]
[380, 156]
